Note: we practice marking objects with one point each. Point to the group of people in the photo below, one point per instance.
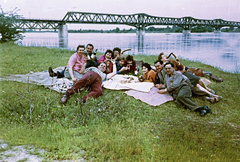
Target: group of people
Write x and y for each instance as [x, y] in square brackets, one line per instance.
[86, 70]
[170, 76]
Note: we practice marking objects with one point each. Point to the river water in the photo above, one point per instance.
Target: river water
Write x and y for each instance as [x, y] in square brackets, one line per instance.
[220, 50]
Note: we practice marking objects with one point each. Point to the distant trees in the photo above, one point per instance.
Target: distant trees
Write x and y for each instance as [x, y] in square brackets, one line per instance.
[7, 30]
[174, 29]
[202, 29]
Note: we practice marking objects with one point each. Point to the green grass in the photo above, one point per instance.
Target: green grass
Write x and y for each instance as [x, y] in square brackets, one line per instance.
[113, 127]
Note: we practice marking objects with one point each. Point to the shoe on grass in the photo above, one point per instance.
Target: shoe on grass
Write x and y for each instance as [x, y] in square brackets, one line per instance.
[64, 99]
[51, 72]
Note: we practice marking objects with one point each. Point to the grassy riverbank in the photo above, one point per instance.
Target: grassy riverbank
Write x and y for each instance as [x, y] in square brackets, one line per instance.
[113, 127]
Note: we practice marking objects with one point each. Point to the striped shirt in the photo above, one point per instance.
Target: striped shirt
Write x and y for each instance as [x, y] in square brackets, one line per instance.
[99, 72]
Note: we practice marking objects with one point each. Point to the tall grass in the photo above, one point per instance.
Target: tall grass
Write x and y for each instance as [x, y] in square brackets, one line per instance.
[113, 127]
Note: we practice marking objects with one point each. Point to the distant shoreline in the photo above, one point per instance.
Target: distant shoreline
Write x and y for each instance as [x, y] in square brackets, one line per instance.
[173, 29]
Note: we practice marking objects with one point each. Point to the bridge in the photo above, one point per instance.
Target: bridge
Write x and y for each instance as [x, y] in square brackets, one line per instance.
[139, 21]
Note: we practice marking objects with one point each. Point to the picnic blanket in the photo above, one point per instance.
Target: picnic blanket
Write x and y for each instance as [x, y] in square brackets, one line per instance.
[145, 91]
[152, 97]
[42, 78]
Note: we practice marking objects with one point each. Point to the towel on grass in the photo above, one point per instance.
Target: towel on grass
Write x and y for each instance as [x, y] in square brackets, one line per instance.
[152, 97]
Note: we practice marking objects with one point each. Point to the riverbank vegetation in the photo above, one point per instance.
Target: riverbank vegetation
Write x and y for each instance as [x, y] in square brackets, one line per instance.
[113, 127]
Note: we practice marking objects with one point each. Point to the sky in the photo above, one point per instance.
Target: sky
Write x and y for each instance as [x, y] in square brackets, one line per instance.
[56, 9]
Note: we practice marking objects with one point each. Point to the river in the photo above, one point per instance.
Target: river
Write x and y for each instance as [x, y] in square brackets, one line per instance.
[221, 50]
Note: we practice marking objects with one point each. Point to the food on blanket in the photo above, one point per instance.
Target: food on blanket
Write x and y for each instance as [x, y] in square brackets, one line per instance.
[123, 81]
[128, 80]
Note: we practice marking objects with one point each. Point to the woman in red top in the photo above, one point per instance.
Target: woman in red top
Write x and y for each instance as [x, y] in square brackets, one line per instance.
[130, 64]
[104, 58]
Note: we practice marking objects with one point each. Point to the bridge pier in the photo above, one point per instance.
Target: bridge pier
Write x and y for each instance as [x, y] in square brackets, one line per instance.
[217, 30]
[63, 36]
[186, 32]
[140, 32]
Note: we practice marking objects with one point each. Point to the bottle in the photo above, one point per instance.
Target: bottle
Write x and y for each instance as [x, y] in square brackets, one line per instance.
[136, 72]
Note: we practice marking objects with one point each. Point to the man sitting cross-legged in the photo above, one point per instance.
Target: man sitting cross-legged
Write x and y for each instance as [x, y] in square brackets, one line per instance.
[92, 78]
[176, 85]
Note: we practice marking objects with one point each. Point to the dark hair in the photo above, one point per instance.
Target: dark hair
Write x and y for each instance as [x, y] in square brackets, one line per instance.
[147, 65]
[117, 49]
[90, 45]
[157, 62]
[168, 64]
[130, 58]
[121, 58]
[80, 46]
[160, 57]
[109, 51]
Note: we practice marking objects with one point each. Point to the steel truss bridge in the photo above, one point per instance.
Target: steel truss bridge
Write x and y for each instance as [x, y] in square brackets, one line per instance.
[139, 21]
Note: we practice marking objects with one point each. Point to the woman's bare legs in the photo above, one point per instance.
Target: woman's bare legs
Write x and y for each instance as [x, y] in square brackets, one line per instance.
[205, 90]
[202, 84]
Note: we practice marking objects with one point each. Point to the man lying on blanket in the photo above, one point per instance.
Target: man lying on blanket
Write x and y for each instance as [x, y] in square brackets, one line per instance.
[92, 78]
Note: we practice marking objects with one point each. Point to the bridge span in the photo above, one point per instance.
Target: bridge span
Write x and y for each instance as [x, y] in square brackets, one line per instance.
[140, 21]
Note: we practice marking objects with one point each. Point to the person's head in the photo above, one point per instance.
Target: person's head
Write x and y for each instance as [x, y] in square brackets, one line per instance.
[146, 67]
[80, 49]
[108, 55]
[157, 65]
[116, 52]
[169, 67]
[121, 60]
[162, 58]
[130, 61]
[89, 48]
[102, 66]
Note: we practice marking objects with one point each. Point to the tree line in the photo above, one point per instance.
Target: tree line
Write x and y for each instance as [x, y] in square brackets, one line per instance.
[173, 29]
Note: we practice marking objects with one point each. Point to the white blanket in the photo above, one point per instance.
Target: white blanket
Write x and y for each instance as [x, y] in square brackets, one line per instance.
[120, 82]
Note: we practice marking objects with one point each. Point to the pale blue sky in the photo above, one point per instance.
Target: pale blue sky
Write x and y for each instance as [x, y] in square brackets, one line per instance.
[56, 9]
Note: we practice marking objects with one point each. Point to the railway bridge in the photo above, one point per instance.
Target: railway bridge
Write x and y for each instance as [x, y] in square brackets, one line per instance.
[140, 21]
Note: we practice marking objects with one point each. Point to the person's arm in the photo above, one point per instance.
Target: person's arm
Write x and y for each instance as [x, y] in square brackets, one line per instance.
[162, 91]
[122, 69]
[83, 69]
[71, 73]
[110, 75]
[164, 87]
[176, 58]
